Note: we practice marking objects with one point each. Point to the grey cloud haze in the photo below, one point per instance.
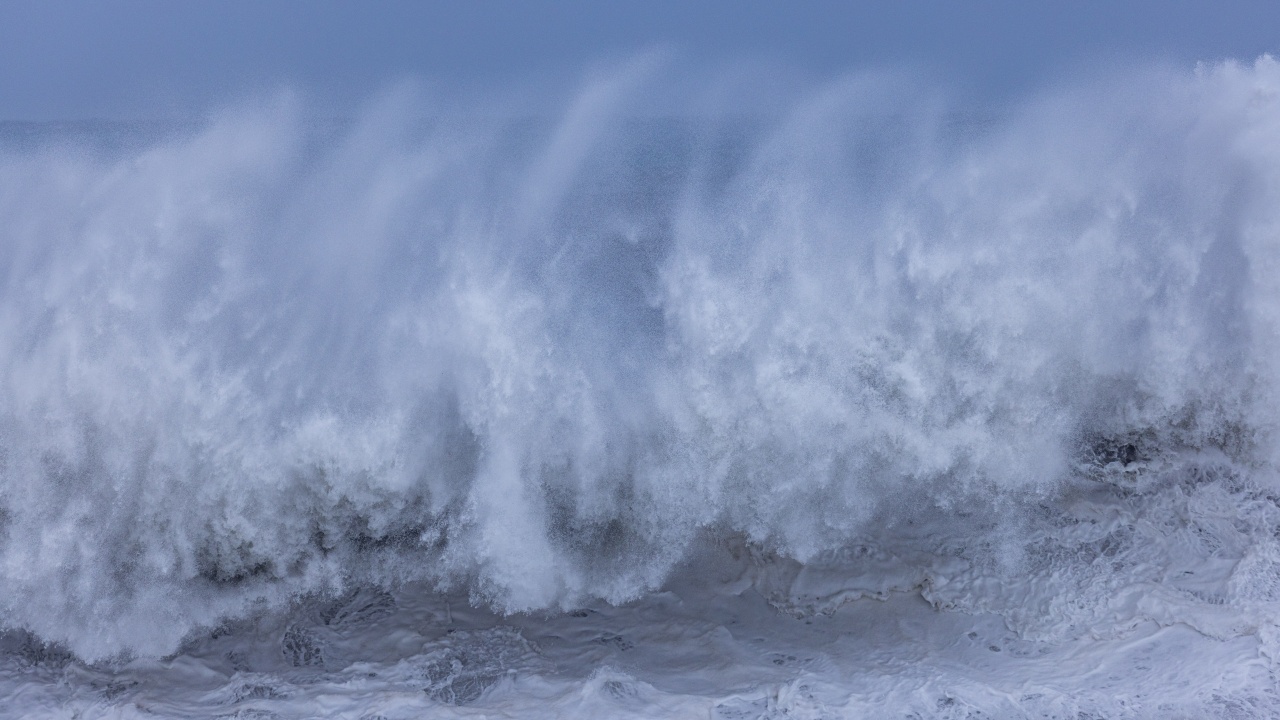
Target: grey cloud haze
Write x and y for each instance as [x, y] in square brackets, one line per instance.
[144, 58]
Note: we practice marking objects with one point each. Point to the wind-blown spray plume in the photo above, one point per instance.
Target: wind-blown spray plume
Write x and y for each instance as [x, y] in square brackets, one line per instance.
[545, 362]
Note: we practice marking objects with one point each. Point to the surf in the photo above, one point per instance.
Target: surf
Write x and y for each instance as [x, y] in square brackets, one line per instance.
[1016, 364]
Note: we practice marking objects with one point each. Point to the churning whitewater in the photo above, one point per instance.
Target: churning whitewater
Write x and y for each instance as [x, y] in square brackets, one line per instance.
[869, 408]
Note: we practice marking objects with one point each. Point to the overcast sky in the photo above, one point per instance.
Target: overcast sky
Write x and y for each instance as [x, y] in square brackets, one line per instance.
[65, 59]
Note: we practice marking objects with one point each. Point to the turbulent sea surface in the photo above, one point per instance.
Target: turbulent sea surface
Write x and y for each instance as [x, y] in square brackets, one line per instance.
[868, 407]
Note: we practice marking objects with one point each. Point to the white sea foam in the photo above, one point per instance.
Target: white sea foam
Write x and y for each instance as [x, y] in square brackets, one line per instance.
[282, 403]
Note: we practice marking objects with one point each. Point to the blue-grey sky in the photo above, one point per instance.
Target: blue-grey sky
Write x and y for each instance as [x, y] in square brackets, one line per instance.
[161, 58]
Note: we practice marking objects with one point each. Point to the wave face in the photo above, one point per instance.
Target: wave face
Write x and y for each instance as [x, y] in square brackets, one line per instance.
[543, 363]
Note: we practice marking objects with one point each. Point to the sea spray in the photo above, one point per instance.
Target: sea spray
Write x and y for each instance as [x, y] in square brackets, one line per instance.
[544, 363]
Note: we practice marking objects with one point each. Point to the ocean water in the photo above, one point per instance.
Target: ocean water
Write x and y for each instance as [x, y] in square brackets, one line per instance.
[867, 407]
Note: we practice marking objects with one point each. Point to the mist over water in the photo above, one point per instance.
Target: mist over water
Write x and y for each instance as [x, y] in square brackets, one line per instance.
[873, 344]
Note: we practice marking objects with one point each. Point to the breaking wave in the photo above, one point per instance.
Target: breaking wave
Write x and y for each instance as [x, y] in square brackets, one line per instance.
[549, 362]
